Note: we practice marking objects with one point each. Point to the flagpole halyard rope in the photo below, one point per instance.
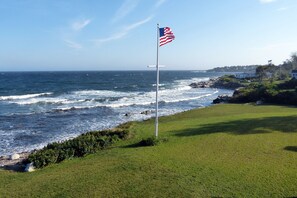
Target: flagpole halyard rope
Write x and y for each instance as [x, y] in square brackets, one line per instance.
[157, 84]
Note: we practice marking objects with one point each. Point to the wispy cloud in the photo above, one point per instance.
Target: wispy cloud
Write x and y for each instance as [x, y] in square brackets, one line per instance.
[79, 25]
[282, 9]
[72, 44]
[139, 23]
[159, 3]
[267, 1]
[127, 7]
[124, 31]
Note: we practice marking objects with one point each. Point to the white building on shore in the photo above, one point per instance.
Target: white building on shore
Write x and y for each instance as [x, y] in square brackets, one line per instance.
[246, 75]
[294, 74]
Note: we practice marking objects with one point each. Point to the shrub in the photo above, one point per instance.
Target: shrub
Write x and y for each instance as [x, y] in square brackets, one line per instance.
[269, 92]
[290, 84]
[44, 158]
[152, 141]
[80, 146]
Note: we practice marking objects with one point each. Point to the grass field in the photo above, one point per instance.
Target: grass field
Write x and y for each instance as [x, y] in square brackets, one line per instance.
[222, 150]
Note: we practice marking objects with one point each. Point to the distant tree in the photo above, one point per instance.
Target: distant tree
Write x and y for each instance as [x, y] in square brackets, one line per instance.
[266, 71]
[294, 60]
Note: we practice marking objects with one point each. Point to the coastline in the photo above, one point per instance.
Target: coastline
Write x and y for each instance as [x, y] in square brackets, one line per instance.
[199, 143]
[5, 160]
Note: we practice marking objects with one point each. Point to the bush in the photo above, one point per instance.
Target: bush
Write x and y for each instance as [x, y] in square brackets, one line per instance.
[269, 92]
[290, 84]
[44, 158]
[152, 141]
[80, 146]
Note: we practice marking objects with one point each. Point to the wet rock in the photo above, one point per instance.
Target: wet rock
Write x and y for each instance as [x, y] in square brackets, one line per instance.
[14, 156]
[127, 114]
[147, 112]
[221, 99]
[259, 102]
[29, 167]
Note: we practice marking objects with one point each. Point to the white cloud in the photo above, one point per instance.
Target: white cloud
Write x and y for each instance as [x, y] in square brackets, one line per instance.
[267, 1]
[127, 7]
[79, 25]
[124, 31]
[159, 3]
[116, 36]
[72, 44]
[139, 23]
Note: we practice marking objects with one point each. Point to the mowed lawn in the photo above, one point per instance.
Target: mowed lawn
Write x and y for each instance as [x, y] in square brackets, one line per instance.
[222, 150]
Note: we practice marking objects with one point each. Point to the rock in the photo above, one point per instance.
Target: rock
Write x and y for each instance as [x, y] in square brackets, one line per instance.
[29, 167]
[200, 85]
[221, 99]
[237, 91]
[14, 156]
[259, 102]
[127, 114]
[147, 112]
[203, 84]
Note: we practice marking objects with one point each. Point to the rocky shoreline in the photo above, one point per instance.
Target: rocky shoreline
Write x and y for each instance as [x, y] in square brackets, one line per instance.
[218, 83]
[15, 162]
[204, 84]
[18, 161]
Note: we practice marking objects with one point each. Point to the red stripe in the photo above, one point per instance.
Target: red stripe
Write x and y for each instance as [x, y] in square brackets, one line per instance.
[168, 36]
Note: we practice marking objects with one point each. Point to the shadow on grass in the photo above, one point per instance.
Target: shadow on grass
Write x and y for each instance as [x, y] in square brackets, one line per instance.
[291, 148]
[135, 145]
[286, 124]
[14, 167]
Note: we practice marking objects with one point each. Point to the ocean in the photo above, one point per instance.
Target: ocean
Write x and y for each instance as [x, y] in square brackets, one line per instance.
[37, 108]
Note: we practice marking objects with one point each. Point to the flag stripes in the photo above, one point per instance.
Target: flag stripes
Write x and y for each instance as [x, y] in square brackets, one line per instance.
[166, 36]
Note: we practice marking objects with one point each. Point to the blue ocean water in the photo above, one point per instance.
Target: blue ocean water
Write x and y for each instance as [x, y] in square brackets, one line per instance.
[41, 107]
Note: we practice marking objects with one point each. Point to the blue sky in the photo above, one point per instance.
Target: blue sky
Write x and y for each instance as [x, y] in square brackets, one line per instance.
[121, 34]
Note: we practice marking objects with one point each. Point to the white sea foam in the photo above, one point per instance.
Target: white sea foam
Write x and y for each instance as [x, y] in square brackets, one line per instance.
[101, 93]
[187, 99]
[124, 99]
[17, 97]
[85, 99]
[160, 85]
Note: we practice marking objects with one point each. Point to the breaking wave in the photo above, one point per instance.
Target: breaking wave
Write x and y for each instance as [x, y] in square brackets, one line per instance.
[26, 96]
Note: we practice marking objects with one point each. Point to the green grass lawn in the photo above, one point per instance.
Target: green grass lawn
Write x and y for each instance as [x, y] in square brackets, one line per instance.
[222, 150]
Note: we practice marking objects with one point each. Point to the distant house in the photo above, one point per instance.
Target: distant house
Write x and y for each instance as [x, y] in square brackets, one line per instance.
[294, 74]
[269, 75]
[245, 75]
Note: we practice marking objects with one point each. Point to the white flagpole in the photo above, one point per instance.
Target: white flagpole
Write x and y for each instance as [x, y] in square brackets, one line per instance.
[157, 84]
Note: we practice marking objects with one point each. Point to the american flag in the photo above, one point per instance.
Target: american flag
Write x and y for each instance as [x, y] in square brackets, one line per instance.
[166, 35]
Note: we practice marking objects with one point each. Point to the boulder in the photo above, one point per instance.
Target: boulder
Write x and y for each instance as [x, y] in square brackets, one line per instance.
[14, 156]
[200, 85]
[221, 99]
[259, 102]
[127, 114]
[29, 167]
[203, 84]
[147, 112]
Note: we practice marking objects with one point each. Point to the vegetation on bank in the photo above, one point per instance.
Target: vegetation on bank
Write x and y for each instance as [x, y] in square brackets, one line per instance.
[272, 84]
[229, 150]
[281, 71]
[80, 146]
[230, 82]
[239, 68]
[274, 92]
